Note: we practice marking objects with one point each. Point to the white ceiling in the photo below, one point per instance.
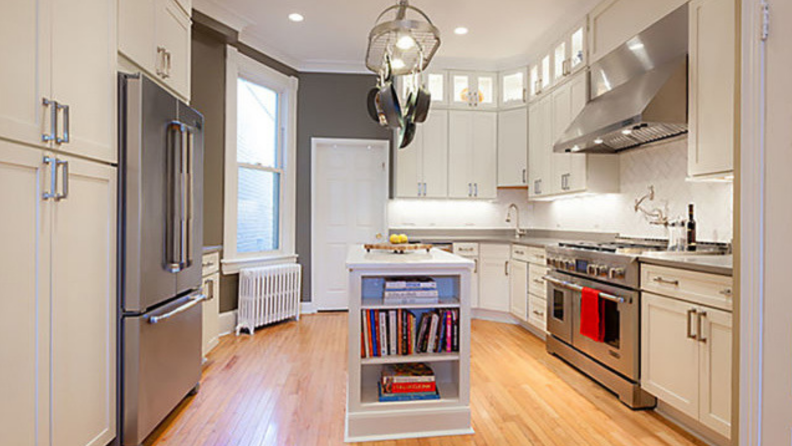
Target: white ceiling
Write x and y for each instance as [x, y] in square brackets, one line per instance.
[334, 34]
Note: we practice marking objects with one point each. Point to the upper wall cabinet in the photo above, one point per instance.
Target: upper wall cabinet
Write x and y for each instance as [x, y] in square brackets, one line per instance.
[472, 154]
[565, 58]
[434, 81]
[422, 167]
[60, 92]
[713, 113]
[513, 147]
[514, 88]
[155, 35]
[473, 90]
[613, 22]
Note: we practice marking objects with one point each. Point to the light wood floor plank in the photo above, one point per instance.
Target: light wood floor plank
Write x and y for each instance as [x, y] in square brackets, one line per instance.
[286, 386]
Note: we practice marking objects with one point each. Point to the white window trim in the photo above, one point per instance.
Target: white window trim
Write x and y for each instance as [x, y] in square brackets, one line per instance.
[286, 87]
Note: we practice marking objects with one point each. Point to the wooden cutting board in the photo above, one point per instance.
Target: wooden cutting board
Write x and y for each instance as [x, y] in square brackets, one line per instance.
[400, 248]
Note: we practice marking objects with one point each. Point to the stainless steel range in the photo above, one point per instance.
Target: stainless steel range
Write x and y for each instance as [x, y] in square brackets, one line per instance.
[612, 269]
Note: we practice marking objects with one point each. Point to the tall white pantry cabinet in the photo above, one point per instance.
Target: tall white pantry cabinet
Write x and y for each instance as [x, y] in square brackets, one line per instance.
[58, 225]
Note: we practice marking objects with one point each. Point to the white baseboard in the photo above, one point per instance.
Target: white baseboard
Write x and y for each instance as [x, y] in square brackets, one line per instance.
[494, 316]
[307, 308]
[227, 322]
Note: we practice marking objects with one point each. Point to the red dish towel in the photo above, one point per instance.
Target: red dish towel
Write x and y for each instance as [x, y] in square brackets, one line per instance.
[591, 314]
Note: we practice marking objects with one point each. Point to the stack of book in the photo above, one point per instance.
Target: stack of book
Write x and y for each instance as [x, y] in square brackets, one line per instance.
[407, 382]
[413, 290]
[403, 332]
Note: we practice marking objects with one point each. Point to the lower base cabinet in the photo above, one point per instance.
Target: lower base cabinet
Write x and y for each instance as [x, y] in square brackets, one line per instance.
[686, 358]
[211, 312]
[58, 331]
[518, 285]
[494, 277]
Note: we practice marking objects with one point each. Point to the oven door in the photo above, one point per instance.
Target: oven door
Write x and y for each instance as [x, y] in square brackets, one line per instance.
[559, 310]
[620, 349]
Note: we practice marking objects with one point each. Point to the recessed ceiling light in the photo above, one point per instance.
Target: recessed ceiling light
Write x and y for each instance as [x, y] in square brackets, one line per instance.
[397, 64]
[405, 42]
[295, 17]
[460, 31]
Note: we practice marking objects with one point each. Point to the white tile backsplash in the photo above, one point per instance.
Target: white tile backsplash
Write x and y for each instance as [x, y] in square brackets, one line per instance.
[663, 165]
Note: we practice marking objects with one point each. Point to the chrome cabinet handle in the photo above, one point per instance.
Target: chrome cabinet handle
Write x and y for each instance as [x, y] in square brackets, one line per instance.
[160, 61]
[700, 328]
[191, 303]
[53, 105]
[538, 313]
[210, 286]
[539, 281]
[470, 189]
[66, 113]
[727, 292]
[659, 279]
[506, 268]
[207, 264]
[53, 173]
[476, 188]
[64, 180]
[167, 64]
[524, 175]
[690, 334]
[475, 266]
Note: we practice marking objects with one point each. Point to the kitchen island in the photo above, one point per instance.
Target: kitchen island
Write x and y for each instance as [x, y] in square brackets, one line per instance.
[369, 417]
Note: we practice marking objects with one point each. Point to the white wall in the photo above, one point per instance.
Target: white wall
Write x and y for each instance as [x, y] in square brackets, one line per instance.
[662, 165]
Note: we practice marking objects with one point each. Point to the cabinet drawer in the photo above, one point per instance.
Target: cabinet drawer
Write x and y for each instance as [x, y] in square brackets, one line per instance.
[210, 263]
[537, 256]
[537, 308]
[520, 252]
[536, 284]
[466, 249]
[702, 288]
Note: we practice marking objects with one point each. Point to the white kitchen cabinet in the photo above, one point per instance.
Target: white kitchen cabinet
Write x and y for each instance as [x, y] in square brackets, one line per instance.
[568, 170]
[211, 312]
[540, 128]
[569, 54]
[473, 90]
[613, 22]
[422, 167]
[518, 286]
[686, 358]
[513, 88]
[434, 81]
[155, 35]
[494, 277]
[63, 317]
[472, 154]
[61, 92]
[712, 94]
[471, 251]
[513, 147]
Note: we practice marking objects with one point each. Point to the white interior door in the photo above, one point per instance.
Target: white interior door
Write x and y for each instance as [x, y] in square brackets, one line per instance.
[350, 193]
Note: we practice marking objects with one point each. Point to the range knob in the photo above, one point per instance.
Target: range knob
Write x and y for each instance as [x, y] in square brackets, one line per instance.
[602, 270]
[617, 273]
[570, 265]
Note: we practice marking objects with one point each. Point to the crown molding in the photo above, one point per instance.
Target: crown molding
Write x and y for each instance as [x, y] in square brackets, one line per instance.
[253, 40]
[222, 14]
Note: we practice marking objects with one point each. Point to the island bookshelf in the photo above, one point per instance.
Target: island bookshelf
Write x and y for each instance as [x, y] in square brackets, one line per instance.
[368, 419]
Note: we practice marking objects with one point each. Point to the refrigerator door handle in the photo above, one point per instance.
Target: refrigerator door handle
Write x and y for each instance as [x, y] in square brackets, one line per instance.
[174, 224]
[183, 197]
[195, 300]
[189, 140]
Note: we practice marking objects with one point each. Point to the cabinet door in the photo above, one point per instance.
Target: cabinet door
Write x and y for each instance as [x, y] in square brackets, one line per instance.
[434, 161]
[494, 277]
[486, 90]
[24, 307]
[84, 305]
[211, 312]
[560, 162]
[716, 366]
[136, 38]
[540, 127]
[24, 78]
[83, 75]
[513, 147]
[408, 167]
[534, 83]
[577, 180]
[577, 49]
[518, 281]
[462, 86]
[513, 88]
[460, 149]
[484, 154]
[560, 56]
[712, 87]
[173, 34]
[475, 301]
[670, 352]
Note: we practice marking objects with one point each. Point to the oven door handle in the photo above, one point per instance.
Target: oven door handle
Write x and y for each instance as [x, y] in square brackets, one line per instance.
[575, 287]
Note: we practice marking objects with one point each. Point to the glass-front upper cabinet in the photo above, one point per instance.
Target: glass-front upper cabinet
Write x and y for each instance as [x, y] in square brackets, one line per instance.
[474, 90]
[434, 81]
[560, 61]
[577, 44]
[514, 88]
[534, 83]
[570, 54]
[546, 78]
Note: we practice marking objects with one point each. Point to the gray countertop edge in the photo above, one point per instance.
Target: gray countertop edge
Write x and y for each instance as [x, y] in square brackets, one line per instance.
[212, 249]
[699, 265]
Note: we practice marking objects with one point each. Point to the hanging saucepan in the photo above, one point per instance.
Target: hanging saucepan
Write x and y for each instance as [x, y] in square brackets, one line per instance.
[407, 133]
[371, 104]
[421, 96]
[388, 100]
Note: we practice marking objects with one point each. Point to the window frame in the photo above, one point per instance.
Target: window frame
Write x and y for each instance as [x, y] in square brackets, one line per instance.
[240, 66]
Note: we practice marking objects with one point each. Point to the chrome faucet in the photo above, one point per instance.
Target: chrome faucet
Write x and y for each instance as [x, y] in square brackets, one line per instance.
[517, 231]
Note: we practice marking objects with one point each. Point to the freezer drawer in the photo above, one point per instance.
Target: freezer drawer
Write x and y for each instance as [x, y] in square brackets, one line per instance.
[162, 363]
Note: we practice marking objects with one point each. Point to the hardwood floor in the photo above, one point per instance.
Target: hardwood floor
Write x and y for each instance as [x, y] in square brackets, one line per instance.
[287, 386]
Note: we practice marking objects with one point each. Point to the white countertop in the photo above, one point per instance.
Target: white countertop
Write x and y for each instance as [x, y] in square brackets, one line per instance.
[358, 258]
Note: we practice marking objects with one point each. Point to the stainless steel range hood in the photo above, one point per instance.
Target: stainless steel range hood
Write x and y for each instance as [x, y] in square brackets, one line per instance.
[638, 92]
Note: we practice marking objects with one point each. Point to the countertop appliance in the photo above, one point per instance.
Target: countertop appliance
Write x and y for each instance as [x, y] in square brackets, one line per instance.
[160, 242]
[638, 92]
[612, 269]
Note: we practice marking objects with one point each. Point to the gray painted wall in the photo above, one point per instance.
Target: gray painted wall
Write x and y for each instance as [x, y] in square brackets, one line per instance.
[329, 105]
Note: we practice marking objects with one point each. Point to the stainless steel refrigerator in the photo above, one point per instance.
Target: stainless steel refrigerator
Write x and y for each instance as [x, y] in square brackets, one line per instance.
[160, 244]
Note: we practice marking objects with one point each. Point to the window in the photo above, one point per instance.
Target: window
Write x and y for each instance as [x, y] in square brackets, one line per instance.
[259, 168]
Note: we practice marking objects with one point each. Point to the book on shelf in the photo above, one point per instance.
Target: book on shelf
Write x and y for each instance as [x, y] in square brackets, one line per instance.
[413, 372]
[401, 283]
[394, 397]
[401, 332]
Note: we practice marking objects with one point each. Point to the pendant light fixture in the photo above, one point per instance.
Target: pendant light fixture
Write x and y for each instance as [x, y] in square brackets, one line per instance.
[409, 43]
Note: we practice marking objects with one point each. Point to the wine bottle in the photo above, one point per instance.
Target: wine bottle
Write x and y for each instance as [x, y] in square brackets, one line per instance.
[691, 229]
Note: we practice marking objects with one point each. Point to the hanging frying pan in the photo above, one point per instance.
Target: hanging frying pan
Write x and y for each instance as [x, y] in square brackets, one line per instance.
[388, 100]
[407, 134]
[371, 104]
